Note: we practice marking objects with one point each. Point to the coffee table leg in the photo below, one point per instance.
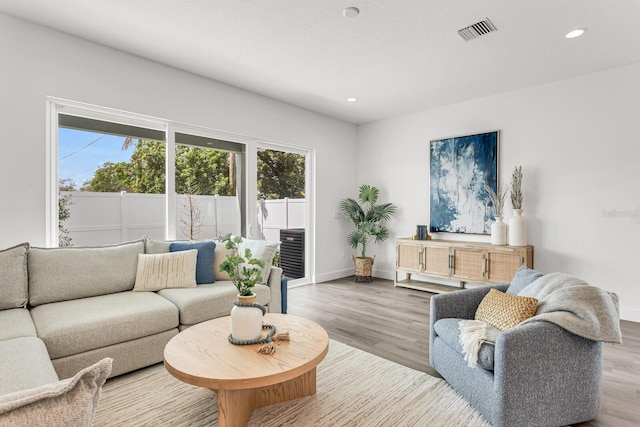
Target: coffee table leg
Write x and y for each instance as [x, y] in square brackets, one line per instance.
[304, 385]
[236, 406]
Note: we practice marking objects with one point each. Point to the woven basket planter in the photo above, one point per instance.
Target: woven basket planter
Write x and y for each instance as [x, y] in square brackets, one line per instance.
[363, 269]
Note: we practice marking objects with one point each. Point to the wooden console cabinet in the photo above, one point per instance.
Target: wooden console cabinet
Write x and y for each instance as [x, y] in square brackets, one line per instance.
[465, 261]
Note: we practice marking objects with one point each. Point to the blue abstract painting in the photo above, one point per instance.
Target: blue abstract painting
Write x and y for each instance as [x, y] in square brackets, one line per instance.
[460, 167]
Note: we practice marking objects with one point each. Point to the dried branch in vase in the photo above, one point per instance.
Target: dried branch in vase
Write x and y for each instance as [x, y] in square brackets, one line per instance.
[497, 199]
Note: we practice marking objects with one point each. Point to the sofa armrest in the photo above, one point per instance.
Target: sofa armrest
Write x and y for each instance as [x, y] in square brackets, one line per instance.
[275, 303]
[546, 373]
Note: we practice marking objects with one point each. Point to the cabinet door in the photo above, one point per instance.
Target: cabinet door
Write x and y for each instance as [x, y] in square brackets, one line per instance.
[502, 264]
[437, 261]
[409, 257]
[468, 264]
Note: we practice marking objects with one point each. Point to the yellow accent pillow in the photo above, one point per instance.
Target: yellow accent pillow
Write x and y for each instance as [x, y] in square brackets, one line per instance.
[169, 270]
[505, 311]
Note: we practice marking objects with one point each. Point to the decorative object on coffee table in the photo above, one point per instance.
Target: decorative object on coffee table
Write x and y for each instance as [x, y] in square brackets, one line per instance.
[244, 271]
[517, 223]
[367, 216]
[498, 228]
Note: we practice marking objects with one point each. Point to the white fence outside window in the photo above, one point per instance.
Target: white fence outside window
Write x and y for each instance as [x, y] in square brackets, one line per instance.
[282, 214]
[109, 218]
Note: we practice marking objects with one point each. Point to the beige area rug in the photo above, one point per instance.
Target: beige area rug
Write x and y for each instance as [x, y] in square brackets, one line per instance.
[354, 388]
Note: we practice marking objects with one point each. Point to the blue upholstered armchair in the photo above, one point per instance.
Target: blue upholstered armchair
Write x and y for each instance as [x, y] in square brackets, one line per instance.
[536, 374]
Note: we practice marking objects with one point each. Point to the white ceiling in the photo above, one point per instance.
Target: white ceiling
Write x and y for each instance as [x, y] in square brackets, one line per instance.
[396, 57]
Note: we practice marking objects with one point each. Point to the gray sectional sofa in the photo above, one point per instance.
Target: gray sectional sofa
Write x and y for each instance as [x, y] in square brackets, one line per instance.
[63, 309]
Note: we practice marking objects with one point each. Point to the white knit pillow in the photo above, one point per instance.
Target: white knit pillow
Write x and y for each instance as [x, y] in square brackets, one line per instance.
[170, 270]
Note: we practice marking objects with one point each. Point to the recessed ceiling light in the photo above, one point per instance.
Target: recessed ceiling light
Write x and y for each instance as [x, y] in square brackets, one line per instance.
[576, 33]
[351, 12]
[352, 99]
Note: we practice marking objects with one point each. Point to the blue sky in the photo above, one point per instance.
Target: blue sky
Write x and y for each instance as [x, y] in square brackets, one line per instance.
[80, 153]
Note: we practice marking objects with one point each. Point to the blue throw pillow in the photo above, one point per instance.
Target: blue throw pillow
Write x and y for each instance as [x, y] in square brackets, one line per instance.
[524, 276]
[204, 261]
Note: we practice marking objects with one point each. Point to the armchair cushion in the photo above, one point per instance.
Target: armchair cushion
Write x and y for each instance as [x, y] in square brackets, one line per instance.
[523, 277]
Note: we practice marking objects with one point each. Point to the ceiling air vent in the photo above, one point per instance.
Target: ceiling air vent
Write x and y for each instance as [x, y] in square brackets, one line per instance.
[476, 30]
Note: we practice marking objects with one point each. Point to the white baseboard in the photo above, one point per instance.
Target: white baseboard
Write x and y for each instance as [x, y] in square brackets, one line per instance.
[383, 274]
[333, 275]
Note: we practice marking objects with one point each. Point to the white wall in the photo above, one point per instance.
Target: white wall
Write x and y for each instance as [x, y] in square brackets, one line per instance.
[37, 62]
[578, 142]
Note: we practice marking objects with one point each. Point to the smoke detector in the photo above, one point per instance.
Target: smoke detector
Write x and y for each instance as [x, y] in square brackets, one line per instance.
[476, 30]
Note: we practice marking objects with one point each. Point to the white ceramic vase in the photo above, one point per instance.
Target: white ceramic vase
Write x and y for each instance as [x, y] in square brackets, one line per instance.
[498, 232]
[517, 229]
[246, 322]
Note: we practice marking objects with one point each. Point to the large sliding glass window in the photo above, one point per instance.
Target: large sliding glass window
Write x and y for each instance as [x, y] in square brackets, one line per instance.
[209, 186]
[116, 183]
[117, 176]
[111, 182]
[283, 207]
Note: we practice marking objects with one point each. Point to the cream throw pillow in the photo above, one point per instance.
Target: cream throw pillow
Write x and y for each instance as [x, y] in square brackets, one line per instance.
[70, 402]
[169, 270]
[505, 311]
[264, 250]
[218, 258]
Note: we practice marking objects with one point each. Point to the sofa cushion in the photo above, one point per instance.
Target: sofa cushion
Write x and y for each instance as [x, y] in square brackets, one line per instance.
[264, 250]
[447, 329]
[170, 270]
[153, 246]
[219, 256]
[16, 323]
[505, 311]
[59, 274]
[523, 277]
[25, 364]
[208, 302]
[204, 265]
[75, 326]
[71, 402]
[13, 277]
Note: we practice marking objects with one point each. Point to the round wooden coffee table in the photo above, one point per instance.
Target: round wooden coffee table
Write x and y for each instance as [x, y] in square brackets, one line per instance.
[243, 378]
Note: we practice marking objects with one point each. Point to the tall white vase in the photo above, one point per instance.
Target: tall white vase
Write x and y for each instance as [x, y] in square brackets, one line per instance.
[517, 229]
[246, 322]
[498, 232]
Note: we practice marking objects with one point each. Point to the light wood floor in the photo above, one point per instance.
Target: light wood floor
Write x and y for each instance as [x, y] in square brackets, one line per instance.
[394, 323]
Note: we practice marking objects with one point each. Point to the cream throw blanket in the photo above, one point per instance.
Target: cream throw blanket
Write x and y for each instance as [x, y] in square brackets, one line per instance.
[571, 303]
[473, 333]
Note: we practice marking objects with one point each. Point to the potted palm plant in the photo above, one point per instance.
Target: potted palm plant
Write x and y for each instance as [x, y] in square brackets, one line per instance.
[367, 216]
